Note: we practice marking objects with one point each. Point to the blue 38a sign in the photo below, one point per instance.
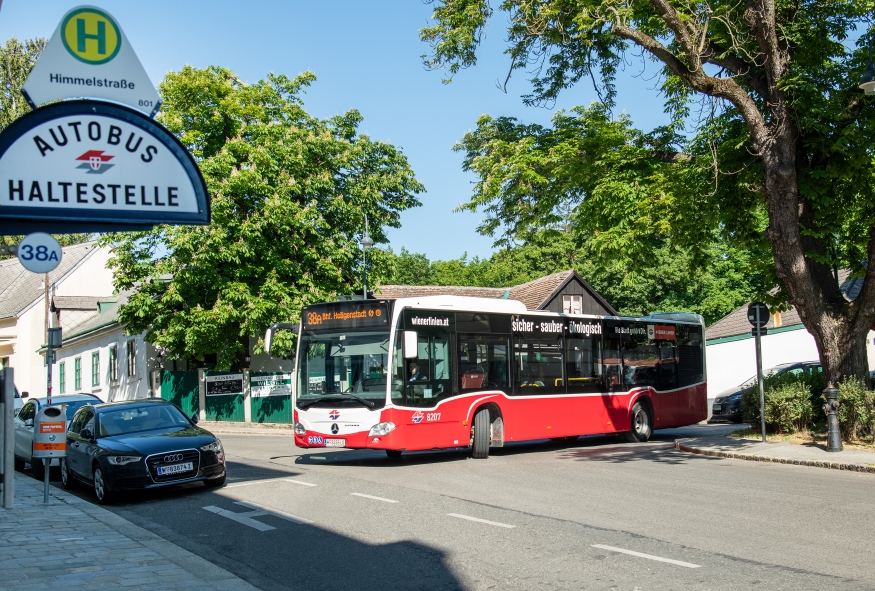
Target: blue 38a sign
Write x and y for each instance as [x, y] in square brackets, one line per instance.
[39, 252]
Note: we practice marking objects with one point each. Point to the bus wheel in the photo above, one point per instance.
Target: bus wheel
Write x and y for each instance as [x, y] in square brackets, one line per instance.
[482, 426]
[642, 424]
[393, 453]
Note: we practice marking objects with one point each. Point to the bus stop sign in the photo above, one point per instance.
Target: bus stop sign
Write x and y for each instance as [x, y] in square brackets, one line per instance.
[93, 166]
[758, 314]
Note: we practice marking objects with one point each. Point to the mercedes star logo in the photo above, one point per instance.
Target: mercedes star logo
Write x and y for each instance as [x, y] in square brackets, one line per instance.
[173, 458]
[334, 429]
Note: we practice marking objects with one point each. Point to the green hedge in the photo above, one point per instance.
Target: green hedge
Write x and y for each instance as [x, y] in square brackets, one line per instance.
[789, 401]
[795, 403]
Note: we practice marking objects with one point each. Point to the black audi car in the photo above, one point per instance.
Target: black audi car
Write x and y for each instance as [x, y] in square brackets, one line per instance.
[139, 444]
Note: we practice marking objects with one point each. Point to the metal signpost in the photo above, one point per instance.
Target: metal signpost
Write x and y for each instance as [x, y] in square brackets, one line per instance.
[87, 165]
[758, 315]
[7, 443]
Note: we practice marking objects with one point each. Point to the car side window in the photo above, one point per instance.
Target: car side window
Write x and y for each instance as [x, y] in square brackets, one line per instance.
[28, 411]
[89, 420]
[78, 421]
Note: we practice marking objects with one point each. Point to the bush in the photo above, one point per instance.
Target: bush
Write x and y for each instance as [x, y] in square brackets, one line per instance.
[790, 401]
[857, 410]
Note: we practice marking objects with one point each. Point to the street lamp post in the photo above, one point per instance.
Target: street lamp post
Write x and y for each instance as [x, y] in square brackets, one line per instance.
[367, 243]
[867, 83]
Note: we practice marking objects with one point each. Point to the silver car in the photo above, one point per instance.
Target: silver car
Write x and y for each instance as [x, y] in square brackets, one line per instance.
[23, 426]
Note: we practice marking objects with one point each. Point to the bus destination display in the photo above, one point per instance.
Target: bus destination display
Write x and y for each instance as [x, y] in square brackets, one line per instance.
[346, 315]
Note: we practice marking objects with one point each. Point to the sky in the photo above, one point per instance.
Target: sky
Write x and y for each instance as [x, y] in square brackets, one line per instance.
[366, 56]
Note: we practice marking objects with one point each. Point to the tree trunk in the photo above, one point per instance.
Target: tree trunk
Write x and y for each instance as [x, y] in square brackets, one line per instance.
[839, 327]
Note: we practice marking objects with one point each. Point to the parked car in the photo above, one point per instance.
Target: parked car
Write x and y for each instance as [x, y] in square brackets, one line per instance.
[23, 426]
[727, 406]
[139, 444]
[18, 401]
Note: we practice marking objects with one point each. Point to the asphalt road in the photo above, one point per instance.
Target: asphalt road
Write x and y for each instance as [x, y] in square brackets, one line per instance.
[594, 514]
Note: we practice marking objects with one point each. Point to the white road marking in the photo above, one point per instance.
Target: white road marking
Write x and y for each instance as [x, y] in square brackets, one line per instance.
[647, 556]
[253, 482]
[298, 482]
[276, 513]
[69, 539]
[375, 498]
[244, 518]
[477, 519]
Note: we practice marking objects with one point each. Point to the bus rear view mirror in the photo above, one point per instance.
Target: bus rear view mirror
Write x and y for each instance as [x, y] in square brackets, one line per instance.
[271, 331]
[410, 340]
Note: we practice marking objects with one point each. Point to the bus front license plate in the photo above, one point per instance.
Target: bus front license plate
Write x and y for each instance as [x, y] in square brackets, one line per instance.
[335, 443]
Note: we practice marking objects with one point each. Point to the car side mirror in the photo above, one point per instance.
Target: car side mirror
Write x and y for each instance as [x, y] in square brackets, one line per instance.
[28, 423]
[87, 434]
[25, 394]
[195, 418]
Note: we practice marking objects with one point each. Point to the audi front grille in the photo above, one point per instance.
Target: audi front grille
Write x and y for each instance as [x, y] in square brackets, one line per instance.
[171, 458]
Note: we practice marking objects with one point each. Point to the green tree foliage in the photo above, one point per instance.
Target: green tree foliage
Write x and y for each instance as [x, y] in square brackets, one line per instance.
[289, 192]
[671, 282]
[781, 154]
[16, 61]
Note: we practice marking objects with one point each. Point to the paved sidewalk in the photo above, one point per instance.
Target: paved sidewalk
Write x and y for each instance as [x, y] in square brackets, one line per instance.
[778, 451]
[74, 545]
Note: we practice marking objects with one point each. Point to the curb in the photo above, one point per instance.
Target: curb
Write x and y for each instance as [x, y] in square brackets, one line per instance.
[755, 458]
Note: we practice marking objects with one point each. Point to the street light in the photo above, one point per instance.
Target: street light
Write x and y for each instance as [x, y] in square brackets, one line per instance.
[868, 81]
[366, 243]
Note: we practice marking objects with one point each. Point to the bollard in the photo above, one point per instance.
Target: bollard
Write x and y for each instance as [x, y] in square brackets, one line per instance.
[831, 394]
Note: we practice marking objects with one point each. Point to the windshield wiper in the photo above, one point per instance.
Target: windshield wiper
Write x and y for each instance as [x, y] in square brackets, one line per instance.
[337, 396]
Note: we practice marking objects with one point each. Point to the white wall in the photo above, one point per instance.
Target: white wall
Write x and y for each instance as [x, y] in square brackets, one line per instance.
[125, 387]
[90, 278]
[731, 363]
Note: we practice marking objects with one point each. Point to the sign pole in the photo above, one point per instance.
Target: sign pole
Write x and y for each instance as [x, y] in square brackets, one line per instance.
[50, 354]
[760, 379]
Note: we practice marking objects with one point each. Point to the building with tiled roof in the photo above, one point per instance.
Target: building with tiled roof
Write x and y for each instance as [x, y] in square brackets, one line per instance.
[24, 309]
[730, 346]
[560, 292]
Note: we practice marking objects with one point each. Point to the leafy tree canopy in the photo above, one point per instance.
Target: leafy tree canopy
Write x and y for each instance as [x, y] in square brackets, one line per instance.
[289, 194]
[781, 148]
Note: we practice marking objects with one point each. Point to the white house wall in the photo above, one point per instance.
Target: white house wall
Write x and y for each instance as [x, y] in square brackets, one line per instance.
[733, 362]
[126, 387]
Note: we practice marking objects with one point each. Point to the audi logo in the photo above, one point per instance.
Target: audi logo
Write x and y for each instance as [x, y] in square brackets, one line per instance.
[173, 458]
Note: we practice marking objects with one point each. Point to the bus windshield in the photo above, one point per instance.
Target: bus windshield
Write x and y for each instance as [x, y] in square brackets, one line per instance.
[343, 369]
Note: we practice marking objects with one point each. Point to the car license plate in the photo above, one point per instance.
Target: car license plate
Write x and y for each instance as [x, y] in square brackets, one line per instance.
[716, 408]
[335, 443]
[175, 469]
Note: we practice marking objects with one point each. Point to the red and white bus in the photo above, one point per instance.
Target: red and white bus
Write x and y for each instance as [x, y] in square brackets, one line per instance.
[443, 372]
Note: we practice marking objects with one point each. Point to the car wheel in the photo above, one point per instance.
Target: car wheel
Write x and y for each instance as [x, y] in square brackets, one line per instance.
[38, 469]
[642, 425]
[393, 453]
[101, 490]
[216, 482]
[482, 426]
[67, 479]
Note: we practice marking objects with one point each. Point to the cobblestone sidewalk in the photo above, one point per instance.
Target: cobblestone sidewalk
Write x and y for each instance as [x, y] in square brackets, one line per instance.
[74, 545]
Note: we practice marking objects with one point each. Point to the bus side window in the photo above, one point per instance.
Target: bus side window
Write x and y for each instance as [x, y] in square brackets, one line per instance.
[482, 362]
[583, 364]
[539, 367]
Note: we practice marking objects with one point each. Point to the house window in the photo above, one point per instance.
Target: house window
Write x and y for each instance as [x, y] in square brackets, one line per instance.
[113, 363]
[131, 351]
[95, 368]
[572, 304]
[62, 377]
[77, 374]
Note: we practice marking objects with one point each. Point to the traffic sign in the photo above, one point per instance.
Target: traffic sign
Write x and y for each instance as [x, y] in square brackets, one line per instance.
[89, 56]
[758, 314]
[39, 253]
[92, 166]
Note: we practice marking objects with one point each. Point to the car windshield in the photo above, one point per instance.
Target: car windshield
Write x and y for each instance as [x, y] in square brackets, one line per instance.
[141, 418]
[336, 366]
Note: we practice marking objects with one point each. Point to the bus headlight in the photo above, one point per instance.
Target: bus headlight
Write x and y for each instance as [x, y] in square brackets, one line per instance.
[381, 429]
[299, 429]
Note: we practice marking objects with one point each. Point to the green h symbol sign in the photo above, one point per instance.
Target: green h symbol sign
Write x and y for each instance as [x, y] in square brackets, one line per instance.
[82, 36]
